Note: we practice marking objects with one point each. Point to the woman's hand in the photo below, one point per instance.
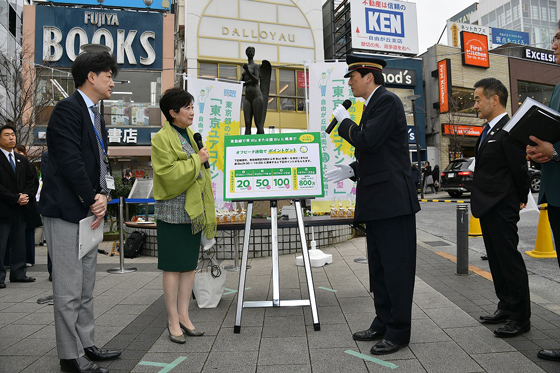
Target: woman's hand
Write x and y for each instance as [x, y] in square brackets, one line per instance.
[203, 154]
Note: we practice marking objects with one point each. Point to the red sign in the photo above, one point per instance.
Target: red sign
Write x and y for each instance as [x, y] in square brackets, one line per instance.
[444, 84]
[461, 130]
[302, 82]
[474, 48]
[139, 174]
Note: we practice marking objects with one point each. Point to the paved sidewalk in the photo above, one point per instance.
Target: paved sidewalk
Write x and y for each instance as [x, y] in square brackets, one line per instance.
[130, 315]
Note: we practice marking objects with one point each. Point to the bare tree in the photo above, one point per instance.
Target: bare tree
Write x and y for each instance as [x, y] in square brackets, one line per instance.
[25, 96]
[460, 122]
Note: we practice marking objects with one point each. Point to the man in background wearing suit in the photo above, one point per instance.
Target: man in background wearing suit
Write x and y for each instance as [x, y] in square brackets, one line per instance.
[547, 154]
[17, 186]
[500, 190]
[77, 185]
[386, 201]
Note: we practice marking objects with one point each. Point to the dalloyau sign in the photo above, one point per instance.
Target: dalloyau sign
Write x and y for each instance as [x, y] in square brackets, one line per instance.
[134, 38]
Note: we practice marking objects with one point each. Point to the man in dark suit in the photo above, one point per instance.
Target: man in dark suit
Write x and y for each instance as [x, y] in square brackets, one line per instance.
[499, 192]
[385, 200]
[17, 186]
[547, 154]
[77, 185]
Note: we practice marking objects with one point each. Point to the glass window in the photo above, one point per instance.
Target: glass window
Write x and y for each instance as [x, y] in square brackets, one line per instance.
[552, 12]
[540, 92]
[208, 70]
[287, 90]
[272, 100]
[228, 72]
[462, 101]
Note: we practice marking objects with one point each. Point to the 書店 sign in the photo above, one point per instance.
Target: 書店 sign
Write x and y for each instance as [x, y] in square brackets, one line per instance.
[136, 39]
[474, 50]
[386, 26]
[262, 167]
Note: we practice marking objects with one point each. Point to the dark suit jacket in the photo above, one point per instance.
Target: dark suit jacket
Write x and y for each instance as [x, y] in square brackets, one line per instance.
[72, 180]
[385, 187]
[500, 170]
[11, 185]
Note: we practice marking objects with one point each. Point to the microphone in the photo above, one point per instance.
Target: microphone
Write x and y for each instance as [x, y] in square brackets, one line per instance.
[198, 139]
[346, 104]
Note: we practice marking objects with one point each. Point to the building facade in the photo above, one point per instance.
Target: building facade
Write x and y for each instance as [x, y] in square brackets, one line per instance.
[287, 33]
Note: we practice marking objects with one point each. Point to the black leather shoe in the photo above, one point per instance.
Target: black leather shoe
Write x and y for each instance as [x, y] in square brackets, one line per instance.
[367, 335]
[384, 347]
[97, 354]
[498, 317]
[25, 279]
[81, 365]
[553, 355]
[513, 328]
[2, 285]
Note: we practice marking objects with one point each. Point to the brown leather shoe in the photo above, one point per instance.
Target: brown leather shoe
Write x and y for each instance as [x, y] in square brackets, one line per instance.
[498, 317]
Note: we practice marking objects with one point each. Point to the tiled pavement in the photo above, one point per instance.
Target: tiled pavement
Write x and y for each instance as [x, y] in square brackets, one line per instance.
[130, 315]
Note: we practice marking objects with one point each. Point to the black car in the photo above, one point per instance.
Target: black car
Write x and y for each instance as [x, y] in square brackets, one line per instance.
[457, 179]
[535, 176]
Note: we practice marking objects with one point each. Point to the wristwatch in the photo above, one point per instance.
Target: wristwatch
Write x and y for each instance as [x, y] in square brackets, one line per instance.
[106, 194]
[555, 157]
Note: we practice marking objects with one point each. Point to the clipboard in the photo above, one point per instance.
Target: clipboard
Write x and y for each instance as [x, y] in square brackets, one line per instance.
[88, 238]
[536, 119]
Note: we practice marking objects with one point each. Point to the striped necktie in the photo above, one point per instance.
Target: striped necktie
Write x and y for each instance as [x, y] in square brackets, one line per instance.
[102, 157]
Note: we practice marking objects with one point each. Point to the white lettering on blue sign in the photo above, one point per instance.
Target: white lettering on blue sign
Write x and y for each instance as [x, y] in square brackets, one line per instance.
[383, 22]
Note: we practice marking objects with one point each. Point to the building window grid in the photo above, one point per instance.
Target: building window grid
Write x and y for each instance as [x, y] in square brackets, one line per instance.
[283, 95]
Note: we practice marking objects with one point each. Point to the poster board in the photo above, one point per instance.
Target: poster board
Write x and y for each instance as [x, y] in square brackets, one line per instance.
[273, 166]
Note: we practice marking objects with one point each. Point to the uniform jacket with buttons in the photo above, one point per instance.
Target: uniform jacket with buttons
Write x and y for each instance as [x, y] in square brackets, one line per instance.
[385, 187]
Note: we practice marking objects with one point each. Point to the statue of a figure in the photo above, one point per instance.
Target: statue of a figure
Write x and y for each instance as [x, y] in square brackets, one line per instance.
[256, 97]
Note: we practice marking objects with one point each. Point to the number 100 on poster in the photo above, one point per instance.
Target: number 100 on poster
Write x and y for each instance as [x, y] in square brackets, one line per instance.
[273, 166]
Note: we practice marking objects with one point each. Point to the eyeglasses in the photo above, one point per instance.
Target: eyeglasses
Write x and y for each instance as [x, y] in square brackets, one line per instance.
[555, 38]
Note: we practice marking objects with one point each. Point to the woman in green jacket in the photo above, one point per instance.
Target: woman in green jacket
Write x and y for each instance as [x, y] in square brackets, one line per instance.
[184, 208]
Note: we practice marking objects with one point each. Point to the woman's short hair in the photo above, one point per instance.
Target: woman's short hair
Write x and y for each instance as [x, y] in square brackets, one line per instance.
[174, 99]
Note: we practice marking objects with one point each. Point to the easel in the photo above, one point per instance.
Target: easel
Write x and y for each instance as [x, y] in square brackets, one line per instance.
[275, 302]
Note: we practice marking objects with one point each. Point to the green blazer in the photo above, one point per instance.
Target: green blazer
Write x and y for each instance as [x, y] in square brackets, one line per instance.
[550, 171]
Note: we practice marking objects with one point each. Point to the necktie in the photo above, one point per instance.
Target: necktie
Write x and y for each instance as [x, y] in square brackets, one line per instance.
[484, 132]
[102, 158]
[12, 163]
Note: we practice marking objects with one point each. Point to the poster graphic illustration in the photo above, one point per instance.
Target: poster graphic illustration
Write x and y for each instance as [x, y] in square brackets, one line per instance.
[335, 150]
[216, 116]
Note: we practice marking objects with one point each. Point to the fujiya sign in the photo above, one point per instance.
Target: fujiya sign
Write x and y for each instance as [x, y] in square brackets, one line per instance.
[388, 26]
[135, 38]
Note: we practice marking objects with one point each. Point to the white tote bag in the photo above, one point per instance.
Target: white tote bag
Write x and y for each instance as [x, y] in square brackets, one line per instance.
[209, 283]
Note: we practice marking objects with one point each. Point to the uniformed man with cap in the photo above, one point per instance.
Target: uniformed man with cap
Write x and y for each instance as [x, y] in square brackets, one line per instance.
[385, 200]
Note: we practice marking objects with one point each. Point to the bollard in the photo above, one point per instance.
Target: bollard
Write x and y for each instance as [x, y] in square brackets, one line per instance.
[121, 269]
[462, 240]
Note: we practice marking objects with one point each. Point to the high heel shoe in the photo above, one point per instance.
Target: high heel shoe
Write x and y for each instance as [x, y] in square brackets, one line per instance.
[191, 332]
[176, 338]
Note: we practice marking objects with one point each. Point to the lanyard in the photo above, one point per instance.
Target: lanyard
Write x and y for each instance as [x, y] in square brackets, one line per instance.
[100, 140]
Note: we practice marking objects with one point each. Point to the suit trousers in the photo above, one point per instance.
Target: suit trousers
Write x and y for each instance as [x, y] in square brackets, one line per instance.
[554, 218]
[391, 247]
[511, 282]
[12, 239]
[73, 283]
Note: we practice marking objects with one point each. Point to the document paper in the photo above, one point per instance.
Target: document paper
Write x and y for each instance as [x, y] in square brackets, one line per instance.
[88, 238]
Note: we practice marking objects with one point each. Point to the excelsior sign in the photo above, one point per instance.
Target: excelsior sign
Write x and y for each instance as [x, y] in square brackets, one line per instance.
[136, 39]
[387, 26]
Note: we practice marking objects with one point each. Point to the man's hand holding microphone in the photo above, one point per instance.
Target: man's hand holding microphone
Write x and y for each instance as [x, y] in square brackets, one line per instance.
[342, 171]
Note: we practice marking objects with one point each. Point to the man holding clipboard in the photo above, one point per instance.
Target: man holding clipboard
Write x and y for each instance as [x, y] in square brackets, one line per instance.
[547, 153]
[77, 186]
